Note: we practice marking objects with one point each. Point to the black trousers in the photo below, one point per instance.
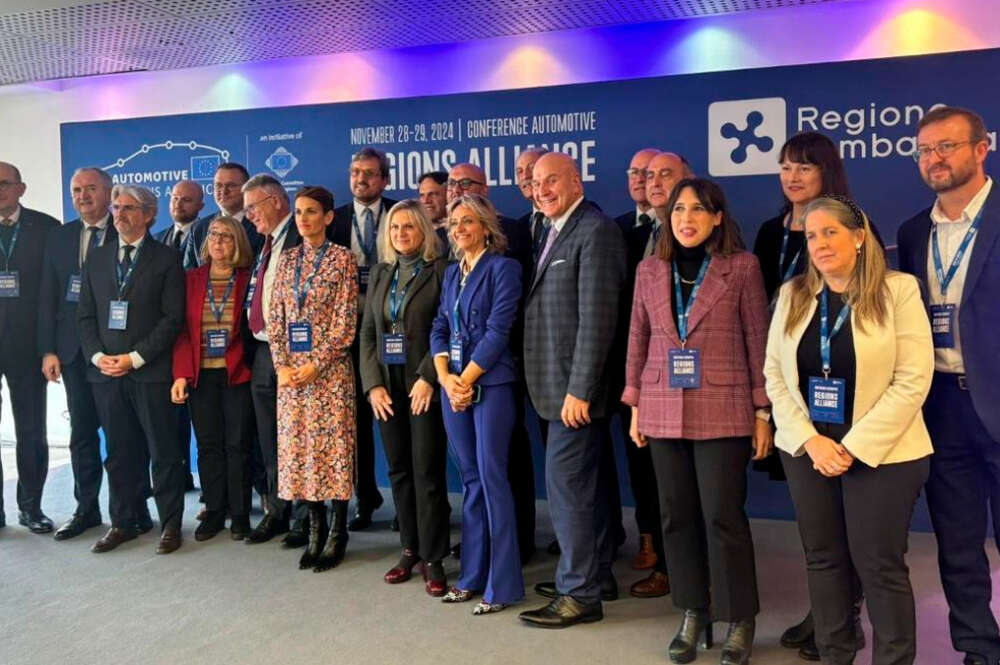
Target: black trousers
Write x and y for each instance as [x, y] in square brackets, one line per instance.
[84, 440]
[643, 480]
[140, 427]
[964, 478]
[27, 389]
[706, 534]
[858, 523]
[521, 474]
[222, 416]
[365, 489]
[416, 449]
[183, 415]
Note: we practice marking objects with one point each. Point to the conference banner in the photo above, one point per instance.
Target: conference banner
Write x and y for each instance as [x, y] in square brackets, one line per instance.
[729, 125]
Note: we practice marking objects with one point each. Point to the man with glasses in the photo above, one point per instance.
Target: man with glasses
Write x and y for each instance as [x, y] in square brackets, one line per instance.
[358, 227]
[227, 189]
[953, 247]
[636, 181]
[66, 250]
[22, 246]
[130, 313]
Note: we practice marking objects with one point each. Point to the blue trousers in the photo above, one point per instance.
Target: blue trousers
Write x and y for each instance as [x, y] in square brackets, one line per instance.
[964, 479]
[479, 439]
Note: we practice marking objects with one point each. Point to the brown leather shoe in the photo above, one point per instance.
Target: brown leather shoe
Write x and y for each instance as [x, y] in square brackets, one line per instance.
[654, 586]
[645, 558]
[170, 540]
[112, 539]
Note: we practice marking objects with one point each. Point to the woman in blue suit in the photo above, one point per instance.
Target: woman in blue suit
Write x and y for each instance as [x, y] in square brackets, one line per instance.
[475, 369]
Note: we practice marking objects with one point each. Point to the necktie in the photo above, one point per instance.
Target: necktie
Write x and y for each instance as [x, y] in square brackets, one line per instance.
[537, 231]
[93, 236]
[178, 235]
[127, 259]
[645, 219]
[256, 318]
[553, 233]
[369, 234]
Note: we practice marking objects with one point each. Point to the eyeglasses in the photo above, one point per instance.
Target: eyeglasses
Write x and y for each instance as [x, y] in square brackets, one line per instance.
[218, 236]
[464, 183]
[943, 149]
[252, 208]
[127, 208]
[636, 173]
[7, 184]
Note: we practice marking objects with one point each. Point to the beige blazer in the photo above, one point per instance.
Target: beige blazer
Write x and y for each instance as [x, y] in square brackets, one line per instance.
[895, 365]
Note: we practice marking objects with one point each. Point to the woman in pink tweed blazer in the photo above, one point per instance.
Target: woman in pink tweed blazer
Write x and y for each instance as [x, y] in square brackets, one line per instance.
[695, 382]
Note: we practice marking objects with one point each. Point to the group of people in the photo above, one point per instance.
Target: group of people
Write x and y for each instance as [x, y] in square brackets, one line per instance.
[299, 326]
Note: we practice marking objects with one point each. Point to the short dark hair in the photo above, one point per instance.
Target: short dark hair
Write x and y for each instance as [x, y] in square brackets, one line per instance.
[440, 177]
[726, 238]
[372, 153]
[942, 113]
[321, 195]
[233, 166]
[816, 149]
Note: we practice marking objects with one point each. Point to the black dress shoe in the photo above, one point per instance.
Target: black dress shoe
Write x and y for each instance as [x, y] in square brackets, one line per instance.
[609, 590]
[268, 528]
[363, 515]
[298, 534]
[563, 612]
[36, 521]
[739, 643]
[77, 525]
[609, 587]
[170, 540]
[113, 538]
[799, 634]
[809, 650]
[239, 528]
[684, 647]
[214, 522]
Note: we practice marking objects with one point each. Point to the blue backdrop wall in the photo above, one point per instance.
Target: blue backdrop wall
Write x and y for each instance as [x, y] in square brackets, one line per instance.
[729, 125]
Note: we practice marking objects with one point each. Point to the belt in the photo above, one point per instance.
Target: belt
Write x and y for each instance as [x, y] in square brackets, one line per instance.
[960, 379]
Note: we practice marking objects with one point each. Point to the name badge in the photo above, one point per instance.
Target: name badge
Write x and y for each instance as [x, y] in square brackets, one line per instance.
[826, 400]
[942, 326]
[73, 289]
[118, 315]
[393, 349]
[684, 367]
[300, 337]
[249, 298]
[363, 272]
[10, 284]
[216, 343]
[455, 352]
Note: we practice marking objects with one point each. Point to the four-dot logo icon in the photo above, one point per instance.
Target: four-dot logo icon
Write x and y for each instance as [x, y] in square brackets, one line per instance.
[744, 136]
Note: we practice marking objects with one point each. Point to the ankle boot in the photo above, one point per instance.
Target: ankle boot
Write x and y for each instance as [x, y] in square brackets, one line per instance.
[317, 534]
[336, 543]
[684, 647]
[739, 642]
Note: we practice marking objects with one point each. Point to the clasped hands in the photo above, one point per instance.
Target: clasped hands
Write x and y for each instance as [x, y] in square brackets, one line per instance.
[830, 458]
[115, 366]
[296, 377]
[460, 393]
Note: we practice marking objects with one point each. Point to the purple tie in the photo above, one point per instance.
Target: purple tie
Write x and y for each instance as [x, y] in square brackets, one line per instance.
[257, 302]
[549, 241]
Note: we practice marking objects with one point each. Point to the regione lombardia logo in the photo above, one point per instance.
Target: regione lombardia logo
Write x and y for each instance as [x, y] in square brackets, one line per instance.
[745, 135]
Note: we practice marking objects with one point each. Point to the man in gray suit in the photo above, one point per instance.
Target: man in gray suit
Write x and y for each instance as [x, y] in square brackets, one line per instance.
[570, 318]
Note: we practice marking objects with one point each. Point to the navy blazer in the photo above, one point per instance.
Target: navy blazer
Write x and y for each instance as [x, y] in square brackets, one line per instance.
[57, 332]
[340, 229]
[19, 316]
[487, 310]
[199, 231]
[978, 314]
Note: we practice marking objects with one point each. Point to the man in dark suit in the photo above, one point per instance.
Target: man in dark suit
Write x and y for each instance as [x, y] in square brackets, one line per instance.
[358, 227]
[22, 246]
[533, 220]
[570, 318]
[953, 248]
[131, 310]
[186, 201]
[66, 249]
[471, 179]
[432, 188]
[227, 190]
[636, 174]
[267, 207]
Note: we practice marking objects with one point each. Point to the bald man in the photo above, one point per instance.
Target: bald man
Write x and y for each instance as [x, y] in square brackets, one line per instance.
[570, 317]
[636, 179]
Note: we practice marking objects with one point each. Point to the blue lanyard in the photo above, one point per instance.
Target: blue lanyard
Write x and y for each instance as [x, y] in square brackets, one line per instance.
[394, 303]
[225, 296]
[781, 258]
[300, 296]
[943, 279]
[682, 310]
[824, 331]
[123, 279]
[7, 253]
[275, 241]
[368, 249]
[456, 324]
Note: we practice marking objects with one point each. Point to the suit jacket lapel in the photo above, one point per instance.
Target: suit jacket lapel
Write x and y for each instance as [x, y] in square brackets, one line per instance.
[140, 264]
[986, 237]
[664, 316]
[378, 297]
[473, 283]
[418, 281]
[713, 288]
[560, 239]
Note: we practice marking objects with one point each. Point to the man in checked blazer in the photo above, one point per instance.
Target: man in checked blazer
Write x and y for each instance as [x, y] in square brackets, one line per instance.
[570, 317]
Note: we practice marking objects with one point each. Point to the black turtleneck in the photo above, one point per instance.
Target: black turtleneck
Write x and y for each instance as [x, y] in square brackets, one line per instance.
[688, 260]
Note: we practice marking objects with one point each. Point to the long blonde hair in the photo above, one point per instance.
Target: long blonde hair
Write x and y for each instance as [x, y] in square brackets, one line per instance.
[415, 211]
[866, 292]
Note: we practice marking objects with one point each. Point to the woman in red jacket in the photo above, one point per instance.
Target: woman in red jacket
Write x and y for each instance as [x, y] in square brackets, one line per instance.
[209, 360]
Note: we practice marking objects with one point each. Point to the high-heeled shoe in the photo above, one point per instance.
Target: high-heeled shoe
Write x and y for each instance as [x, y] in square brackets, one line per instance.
[318, 532]
[684, 647]
[739, 643]
[403, 570]
[336, 543]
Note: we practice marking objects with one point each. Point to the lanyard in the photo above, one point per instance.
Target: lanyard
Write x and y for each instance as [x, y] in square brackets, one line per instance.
[225, 296]
[368, 249]
[124, 279]
[7, 253]
[781, 258]
[943, 279]
[275, 241]
[682, 310]
[825, 335]
[394, 303]
[456, 324]
[300, 296]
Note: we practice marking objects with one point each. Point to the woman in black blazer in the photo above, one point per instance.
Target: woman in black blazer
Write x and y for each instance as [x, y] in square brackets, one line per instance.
[398, 376]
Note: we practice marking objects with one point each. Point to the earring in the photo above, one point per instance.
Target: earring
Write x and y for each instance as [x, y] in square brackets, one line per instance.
[858, 247]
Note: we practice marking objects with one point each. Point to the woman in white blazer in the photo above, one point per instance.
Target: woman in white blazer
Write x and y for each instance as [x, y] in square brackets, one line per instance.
[849, 364]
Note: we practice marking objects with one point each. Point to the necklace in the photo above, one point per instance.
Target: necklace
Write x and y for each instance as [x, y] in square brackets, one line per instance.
[688, 281]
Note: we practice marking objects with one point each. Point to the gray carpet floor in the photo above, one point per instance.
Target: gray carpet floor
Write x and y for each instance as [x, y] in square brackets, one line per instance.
[226, 602]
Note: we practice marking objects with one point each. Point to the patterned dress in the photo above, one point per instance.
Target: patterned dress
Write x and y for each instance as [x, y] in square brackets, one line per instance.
[316, 429]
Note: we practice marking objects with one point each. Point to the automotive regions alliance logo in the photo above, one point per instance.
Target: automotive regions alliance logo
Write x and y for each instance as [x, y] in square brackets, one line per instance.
[281, 162]
[745, 135]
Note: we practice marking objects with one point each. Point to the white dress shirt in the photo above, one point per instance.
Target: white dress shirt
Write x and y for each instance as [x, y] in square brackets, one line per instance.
[359, 214]
[102, 227]
[137, 360]
[277, 244]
